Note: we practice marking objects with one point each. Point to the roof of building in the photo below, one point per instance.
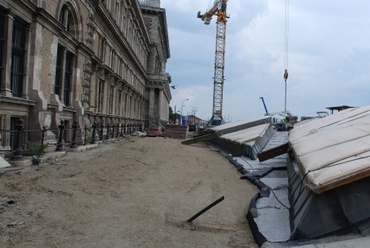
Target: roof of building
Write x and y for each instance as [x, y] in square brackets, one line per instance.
[247, 135]
[339, 108]
[324, 154]
[334, 150]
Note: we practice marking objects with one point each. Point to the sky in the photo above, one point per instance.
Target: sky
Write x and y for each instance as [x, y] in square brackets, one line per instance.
[325, 45]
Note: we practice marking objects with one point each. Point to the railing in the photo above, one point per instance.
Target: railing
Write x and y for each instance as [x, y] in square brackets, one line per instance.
[66, 137]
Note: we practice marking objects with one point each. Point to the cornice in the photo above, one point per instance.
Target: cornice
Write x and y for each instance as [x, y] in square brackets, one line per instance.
[161, 13]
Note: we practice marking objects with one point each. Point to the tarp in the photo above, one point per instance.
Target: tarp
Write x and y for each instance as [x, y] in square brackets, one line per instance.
[334, 150]
[246, 135]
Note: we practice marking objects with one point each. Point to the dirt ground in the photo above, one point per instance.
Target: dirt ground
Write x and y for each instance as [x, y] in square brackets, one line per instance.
[137, 192]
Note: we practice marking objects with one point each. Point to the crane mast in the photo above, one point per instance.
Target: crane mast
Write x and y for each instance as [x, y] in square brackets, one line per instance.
[218, 9]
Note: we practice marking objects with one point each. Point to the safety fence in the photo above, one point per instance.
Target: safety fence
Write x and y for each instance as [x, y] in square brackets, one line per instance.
[16, 144]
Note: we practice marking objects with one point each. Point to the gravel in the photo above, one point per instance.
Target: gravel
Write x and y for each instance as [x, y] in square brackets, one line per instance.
[137, 192]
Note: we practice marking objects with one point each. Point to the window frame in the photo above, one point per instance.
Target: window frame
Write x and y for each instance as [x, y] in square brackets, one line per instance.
[111, 99]
[100, 100]
[59, 70]
[68, 77]
[66, 19]
[64, 70]
[17, 71]
[2, 43]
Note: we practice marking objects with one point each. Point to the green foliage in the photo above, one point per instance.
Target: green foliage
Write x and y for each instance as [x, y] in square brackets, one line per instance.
[129, 139]
[88, 139]
[37, 151]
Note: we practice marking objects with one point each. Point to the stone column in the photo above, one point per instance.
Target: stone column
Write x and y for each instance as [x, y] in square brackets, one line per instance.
[160, 105]
[151, 103]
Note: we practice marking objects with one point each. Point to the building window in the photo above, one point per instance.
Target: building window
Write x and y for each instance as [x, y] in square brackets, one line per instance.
[111, 100]
[2, 43]
[100, 96]
[62, 14]
[68, 79]
[112, 59]
[18, 54]
[66, 18]
[117, 10]
[63, 75]
[102, 48]
[119, 104]
[59, 71]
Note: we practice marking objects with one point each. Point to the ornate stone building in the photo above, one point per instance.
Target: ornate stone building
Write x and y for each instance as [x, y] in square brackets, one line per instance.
[88, 61]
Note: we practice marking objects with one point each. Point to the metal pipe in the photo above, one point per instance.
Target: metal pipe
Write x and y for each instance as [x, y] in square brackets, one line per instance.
[205, 209]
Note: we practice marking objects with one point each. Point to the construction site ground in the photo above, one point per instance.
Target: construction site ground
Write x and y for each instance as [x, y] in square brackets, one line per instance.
[136, 192]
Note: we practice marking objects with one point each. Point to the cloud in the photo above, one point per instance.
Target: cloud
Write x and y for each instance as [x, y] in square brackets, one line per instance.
[328, 56]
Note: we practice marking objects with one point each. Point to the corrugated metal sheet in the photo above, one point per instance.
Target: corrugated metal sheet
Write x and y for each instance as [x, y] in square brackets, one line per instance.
[248, 142]
[246, 135]
[319, 190]
[246, 138]
[240, 125]
[329, 173]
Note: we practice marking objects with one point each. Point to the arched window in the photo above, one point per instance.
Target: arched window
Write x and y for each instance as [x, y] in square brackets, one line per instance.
[62, 14]
[66, 18]
[65, 68]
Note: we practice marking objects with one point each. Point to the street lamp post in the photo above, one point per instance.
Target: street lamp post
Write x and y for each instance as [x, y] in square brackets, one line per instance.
[182, 106]
[174, 116]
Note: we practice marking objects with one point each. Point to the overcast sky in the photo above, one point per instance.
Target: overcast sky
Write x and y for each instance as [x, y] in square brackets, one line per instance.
[328, 56]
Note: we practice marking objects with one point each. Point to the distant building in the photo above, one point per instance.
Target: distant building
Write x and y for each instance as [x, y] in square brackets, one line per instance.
[193, 119]
[101, 61]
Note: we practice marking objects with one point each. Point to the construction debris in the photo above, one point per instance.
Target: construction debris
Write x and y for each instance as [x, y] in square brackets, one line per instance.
[176, 131]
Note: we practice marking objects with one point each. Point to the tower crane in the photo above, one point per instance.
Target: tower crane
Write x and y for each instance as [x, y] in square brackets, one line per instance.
[218, 9]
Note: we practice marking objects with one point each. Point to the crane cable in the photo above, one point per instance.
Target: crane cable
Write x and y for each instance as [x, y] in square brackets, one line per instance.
[286, 40]
[209, 4]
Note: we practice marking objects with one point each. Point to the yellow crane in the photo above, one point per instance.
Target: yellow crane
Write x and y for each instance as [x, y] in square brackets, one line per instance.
[218, 9]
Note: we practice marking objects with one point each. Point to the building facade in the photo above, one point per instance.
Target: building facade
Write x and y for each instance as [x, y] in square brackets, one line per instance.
[101, 61]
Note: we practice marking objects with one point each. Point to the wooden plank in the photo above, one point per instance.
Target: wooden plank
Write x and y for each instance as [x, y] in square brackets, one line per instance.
[202, 138]
[274, 152]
